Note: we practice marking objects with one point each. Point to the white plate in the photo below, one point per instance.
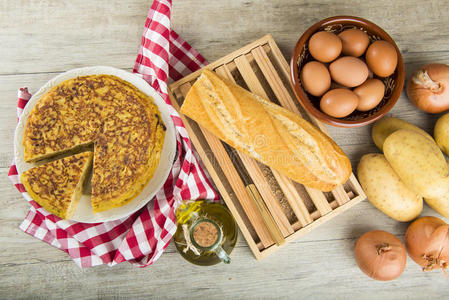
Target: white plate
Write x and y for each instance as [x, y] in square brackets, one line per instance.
[84, 212]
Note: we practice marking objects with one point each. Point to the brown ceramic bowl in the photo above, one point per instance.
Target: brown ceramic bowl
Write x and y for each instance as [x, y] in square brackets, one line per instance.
[393, 83]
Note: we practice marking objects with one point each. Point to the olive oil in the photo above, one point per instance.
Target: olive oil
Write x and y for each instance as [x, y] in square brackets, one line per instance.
[206, 233]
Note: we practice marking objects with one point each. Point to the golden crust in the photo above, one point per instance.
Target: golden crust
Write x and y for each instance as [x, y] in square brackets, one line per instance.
[122, 123]
[56, 185]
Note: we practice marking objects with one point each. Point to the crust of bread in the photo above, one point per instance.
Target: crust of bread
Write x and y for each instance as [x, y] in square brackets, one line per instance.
[267, 132]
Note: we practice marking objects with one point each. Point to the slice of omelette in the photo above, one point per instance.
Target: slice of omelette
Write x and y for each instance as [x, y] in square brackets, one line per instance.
[65, 119]
[57, 185]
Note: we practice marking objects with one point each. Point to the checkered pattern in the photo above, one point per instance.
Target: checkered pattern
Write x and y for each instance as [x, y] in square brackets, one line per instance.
[142, 237]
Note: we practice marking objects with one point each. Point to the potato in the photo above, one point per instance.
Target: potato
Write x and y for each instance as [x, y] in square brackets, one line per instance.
[440, 205]
[386, 191]
[441, 133]
[387, 125]
[419, 163]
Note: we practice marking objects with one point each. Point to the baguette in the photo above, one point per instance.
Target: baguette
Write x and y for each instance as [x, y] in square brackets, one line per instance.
[267, 132]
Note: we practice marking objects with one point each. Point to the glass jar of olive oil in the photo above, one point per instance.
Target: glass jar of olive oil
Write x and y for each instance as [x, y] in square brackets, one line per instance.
[206, 233]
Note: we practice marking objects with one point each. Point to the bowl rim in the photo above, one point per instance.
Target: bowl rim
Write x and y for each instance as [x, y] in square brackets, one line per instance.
[301, 95]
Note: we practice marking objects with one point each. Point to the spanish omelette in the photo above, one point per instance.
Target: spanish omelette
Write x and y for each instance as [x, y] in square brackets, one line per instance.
[57, 185]
[122, 123]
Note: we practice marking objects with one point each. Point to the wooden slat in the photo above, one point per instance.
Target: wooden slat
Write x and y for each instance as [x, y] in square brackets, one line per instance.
[262, 184]
[319, 200]
[224, 72]
[273, 79]
[355, 187]
[234, 179]
[285, 68]
[340, 195]
[249, 76]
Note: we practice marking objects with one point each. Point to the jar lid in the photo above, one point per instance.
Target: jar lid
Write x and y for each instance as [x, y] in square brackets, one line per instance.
[205, 234]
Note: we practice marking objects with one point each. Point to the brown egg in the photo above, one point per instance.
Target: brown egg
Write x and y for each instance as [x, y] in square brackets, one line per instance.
[315, 78]
[348, 71]
[325, 46]
[354, 42]
[370, 93]
[381, 58]
[339, 103]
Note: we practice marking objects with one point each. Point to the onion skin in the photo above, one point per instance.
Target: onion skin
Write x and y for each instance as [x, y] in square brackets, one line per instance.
[428, 88]
[427, 242]
[380, 255]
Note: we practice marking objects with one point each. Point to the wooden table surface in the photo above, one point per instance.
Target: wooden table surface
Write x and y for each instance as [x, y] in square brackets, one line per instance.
[40, 39]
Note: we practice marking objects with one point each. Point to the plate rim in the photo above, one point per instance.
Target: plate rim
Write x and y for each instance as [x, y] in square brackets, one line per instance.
[168, 150]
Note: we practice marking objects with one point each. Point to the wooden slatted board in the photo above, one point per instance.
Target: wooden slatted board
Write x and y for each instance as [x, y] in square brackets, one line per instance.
[261, 68]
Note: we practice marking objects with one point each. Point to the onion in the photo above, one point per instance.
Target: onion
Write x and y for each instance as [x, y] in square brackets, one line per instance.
[427, 242]
[380, 255]
[428, 88]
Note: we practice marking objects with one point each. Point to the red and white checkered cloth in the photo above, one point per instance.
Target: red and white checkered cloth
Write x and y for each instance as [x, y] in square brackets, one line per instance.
[142, 237]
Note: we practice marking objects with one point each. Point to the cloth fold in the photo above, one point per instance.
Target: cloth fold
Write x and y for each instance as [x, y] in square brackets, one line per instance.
[141, 237]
